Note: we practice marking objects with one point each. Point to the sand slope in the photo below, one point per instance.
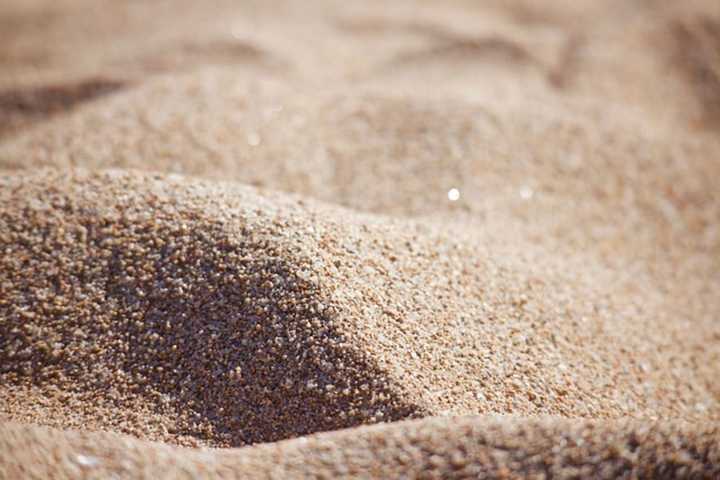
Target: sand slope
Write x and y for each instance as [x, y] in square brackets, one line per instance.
[307, 272]
[469, 447]
[232, 317]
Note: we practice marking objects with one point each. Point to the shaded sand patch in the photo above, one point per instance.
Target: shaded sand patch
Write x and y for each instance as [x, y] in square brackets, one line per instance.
[22, 107]
[698, 56]
[150, 313]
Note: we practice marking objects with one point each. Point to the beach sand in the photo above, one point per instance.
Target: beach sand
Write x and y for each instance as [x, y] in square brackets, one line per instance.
[236, 236]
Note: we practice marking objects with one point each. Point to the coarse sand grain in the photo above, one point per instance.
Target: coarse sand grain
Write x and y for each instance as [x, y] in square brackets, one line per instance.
[462, 447]
[230, 317]
[234, 236]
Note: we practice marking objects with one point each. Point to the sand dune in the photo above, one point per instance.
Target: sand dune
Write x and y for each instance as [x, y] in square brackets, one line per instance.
[215, 309]
[226, 225]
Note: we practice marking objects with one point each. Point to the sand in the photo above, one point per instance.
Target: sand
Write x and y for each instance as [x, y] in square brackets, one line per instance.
[461, 447]
[230, 227]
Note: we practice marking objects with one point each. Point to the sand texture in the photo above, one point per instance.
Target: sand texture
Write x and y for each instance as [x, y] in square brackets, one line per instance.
[235, 236]
[460, 447]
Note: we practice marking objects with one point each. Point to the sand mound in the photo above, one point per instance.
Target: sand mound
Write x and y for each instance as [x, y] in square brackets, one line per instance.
[502, 207]
[194, 312]
[156, 309]
[433, 448]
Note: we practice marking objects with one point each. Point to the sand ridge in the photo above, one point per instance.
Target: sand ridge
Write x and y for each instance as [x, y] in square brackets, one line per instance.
[461, 447]
[171, 291]
[224, 225]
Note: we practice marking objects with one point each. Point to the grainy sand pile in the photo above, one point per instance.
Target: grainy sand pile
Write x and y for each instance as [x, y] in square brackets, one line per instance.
[308, 270]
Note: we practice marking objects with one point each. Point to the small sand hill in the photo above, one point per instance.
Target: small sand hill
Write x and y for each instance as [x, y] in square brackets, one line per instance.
[430, 448]
[173, 311]
[570, 184]
[195, 312]
[308, 272]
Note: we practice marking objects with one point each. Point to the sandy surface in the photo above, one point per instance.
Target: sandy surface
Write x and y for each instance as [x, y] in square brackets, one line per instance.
[223, 225]
[461, 447]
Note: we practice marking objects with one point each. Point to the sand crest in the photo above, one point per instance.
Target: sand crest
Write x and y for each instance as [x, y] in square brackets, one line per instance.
[197, 303]
[431, 448]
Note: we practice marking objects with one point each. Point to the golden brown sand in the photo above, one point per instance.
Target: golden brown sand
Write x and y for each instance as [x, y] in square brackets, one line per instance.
[461, 447]
[383, 212]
